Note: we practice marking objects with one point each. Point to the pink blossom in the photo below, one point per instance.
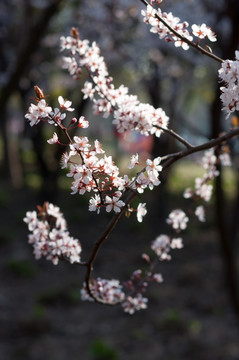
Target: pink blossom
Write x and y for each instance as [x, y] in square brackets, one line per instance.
[202, 31]
[161, 246]
[141, 211]
[200, 213]
[56, 117]
[107, 291]
[65, 104]
[128, 112]
[113, 203]
[202, 189]
[53, 139]
[49, 236]
[164, 33]
[98, 147]
[153, 167]
[37, 112]
[178, 219]
[31, 220]
[94, 203]
[88, 90]
[134, 160]
[83, 123]
[158, 278]
[132, 304]
[176, 243]
[225, 159]
[229, 74]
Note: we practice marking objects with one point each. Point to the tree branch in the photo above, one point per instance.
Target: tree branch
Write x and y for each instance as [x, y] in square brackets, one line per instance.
[170, 159]
[176, 136]
[98, 244]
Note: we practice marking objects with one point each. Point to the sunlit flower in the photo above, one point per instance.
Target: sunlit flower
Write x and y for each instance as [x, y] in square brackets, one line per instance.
[178, 219]
[141, 211]
[200, 213]
[53, 139]
[65, 104]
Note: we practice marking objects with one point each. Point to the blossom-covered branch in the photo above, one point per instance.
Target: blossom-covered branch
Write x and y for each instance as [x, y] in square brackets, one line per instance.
[93, 172]
[165, 24]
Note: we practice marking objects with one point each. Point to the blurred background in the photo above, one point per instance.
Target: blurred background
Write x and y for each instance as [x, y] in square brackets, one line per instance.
[195, 312]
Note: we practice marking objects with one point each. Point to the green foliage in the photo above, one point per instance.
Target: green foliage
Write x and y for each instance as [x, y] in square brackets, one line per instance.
[6, 236]
[22, 268]
[33, 180]
[182, 176]
[195, 327]
[38, 312]
[37, 322]
[29, 157]
[229, 182]
[172, 320]
[5, 197]
[99, 350]
[69, 296]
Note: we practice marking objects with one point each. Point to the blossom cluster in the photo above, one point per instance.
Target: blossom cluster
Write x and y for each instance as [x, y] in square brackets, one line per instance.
[203, 187]
[42, 112]
[137, 286]
[50, 237]
[177, 219]
[106, 291]
[134, 303]
[92, 171]
[128, 112]
[152, 17]
[111, 291]
[98, 173]
[163, 244]
[229, 75]
[89, 167]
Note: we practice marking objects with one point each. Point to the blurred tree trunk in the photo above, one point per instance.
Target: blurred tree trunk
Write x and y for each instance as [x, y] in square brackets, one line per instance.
[221, 207]
[23, 56]
[161, 146]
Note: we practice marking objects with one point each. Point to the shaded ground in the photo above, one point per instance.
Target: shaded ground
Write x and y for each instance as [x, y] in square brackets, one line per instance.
[41, 316]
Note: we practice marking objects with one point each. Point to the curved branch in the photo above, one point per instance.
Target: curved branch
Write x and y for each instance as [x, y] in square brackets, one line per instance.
[98, 244]
[170, 159]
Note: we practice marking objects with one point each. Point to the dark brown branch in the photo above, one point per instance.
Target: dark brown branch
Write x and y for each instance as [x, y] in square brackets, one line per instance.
[98, 244]
[170, 159]
[176, 136]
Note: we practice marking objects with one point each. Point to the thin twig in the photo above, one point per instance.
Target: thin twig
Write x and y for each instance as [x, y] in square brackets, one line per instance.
[176, 136]
[98, 244]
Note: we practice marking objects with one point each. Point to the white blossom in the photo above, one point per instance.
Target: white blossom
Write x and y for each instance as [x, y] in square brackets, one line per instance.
[178, 219]
[200, 213]
[53, 139]
[141, 211]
